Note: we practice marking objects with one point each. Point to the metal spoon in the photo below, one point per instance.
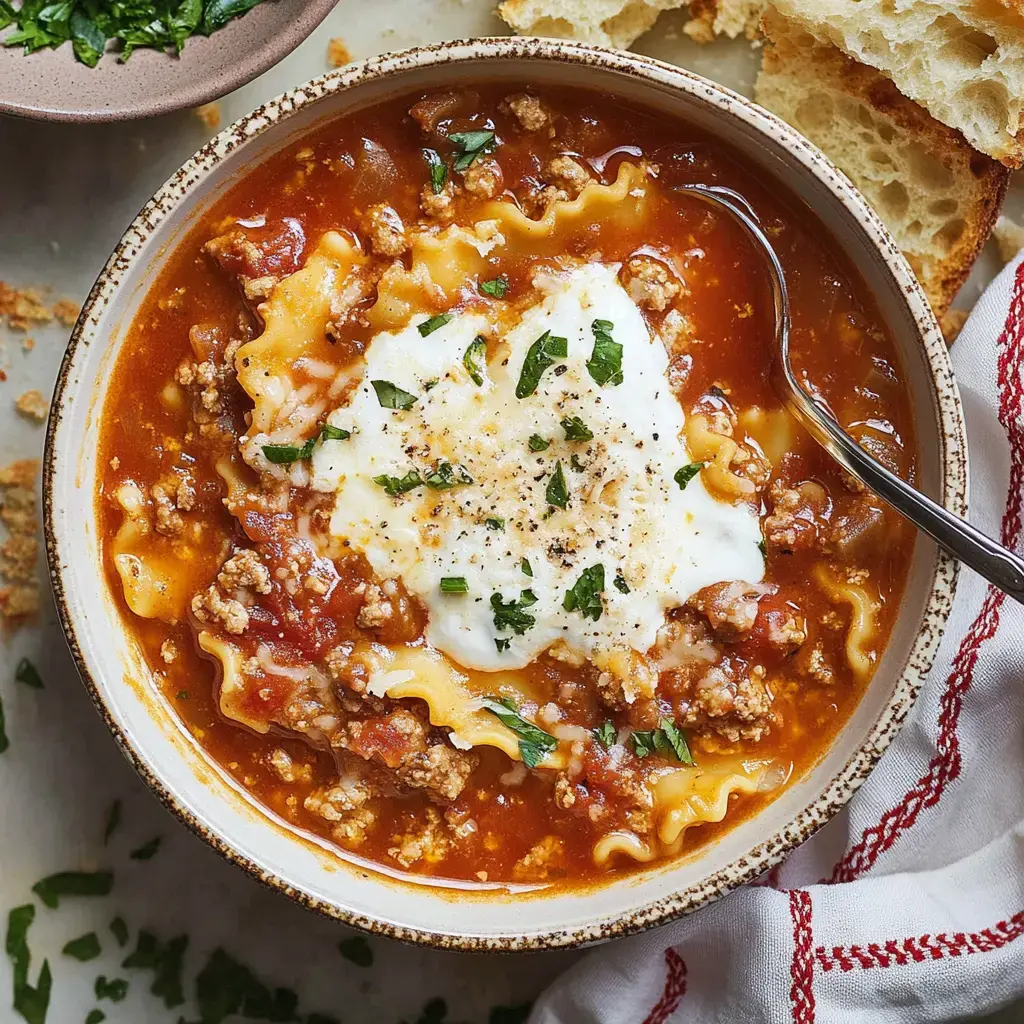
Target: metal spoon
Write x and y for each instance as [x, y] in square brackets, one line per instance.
[990, 560]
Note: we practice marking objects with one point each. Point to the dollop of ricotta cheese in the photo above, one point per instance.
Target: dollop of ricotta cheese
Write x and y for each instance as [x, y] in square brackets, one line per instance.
[655, 541]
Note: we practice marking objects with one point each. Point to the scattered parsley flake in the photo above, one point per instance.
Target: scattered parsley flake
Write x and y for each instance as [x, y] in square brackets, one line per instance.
[513, 614]
[475, 360]
[502, 643]
[356, 950]
[95, 1017]
[28, 674]
[438, 170]
[495, 523]
[534, 742]
[606, 732]
[543, 353]
[538, 443]
[576, 430]
[527, 569]
[84, 948]
[471, 145]
[32, 1003]
[166, 961]
[147, 850]
[556, 492]
[667, 740]
[620, 583]
[454, 585]
[73, 883]
[686, 473]
[115, 989]
[677, 741]
[762, 547]
[395, 485]
[119, 930]
[331, 433]
[495, 288]
[435, 323]
[113, 820]
[286, 454]
[605, 363]
[585, 594]
[392, 397]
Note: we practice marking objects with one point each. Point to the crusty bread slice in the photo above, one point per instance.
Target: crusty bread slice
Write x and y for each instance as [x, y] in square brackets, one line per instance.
[730, 18]
[963, 60]
[938, 197]
[605, 22]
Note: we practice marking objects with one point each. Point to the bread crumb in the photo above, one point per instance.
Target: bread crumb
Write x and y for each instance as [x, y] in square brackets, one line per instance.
[952, 323]
[22, 307]
[67, 312]
[1009, 237]
[19, 553]
[338, 54]
[209, 114]
[33, 405]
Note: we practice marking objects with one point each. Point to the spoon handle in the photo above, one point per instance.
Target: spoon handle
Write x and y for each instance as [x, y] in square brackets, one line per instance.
[964, 542]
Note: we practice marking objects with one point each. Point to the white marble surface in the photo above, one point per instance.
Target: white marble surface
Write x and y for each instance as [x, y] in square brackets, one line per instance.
[66, 194]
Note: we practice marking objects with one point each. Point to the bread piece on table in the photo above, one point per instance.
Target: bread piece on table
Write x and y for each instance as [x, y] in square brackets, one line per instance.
[963, 60]
[724, 17]
[938, 197]
[605, 22]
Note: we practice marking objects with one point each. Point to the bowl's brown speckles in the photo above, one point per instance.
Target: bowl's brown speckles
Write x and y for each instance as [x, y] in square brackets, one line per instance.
[845, 780]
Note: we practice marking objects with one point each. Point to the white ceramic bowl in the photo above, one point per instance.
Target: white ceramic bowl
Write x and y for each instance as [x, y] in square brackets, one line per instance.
[209, 802]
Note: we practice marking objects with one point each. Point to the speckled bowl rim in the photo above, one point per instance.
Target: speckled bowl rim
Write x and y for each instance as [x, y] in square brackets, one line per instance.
[846, 780]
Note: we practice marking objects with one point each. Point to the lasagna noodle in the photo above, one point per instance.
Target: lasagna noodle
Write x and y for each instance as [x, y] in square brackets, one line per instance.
[862, 635]
[716, 451]
[233, 684]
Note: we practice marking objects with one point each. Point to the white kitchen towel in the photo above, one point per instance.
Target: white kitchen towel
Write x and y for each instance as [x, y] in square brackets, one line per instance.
[909, 905]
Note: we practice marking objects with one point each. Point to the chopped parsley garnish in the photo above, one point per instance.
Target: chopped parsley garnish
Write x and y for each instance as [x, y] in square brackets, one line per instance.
[495, 523]
[73, 883]
[115, 989]
[391, 396]
[585, 594]
[147, 850]
[32, 1003]
[576, 430]
[762, 548]
[113, 820]
[496, 287]
[575, 464]
[4, 741]
[395, 485]
[606, 732]
[620, 583]
[331, 433]
[286, 454]
[502, 643]
[527, 569]
[666, 740]
[28, 674]
[538, 443]
[95, 1017]
[356, 950]
[470, 145]
[89, 26]
[84, 948]
[544, 352]
[435, 323]
[166, 961]
[605, 363]
[556, 492]
[444, 476]
[119, 930]
[430, 384]
[685, 474]
[438, 170]
[513, 615]
[475, 360]
[454, 585]
[534, 742]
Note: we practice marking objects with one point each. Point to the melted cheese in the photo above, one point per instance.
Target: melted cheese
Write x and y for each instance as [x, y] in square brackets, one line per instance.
[625, 511]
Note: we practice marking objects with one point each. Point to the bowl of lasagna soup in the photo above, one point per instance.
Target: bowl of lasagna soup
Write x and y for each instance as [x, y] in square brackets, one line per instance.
[425, 526]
